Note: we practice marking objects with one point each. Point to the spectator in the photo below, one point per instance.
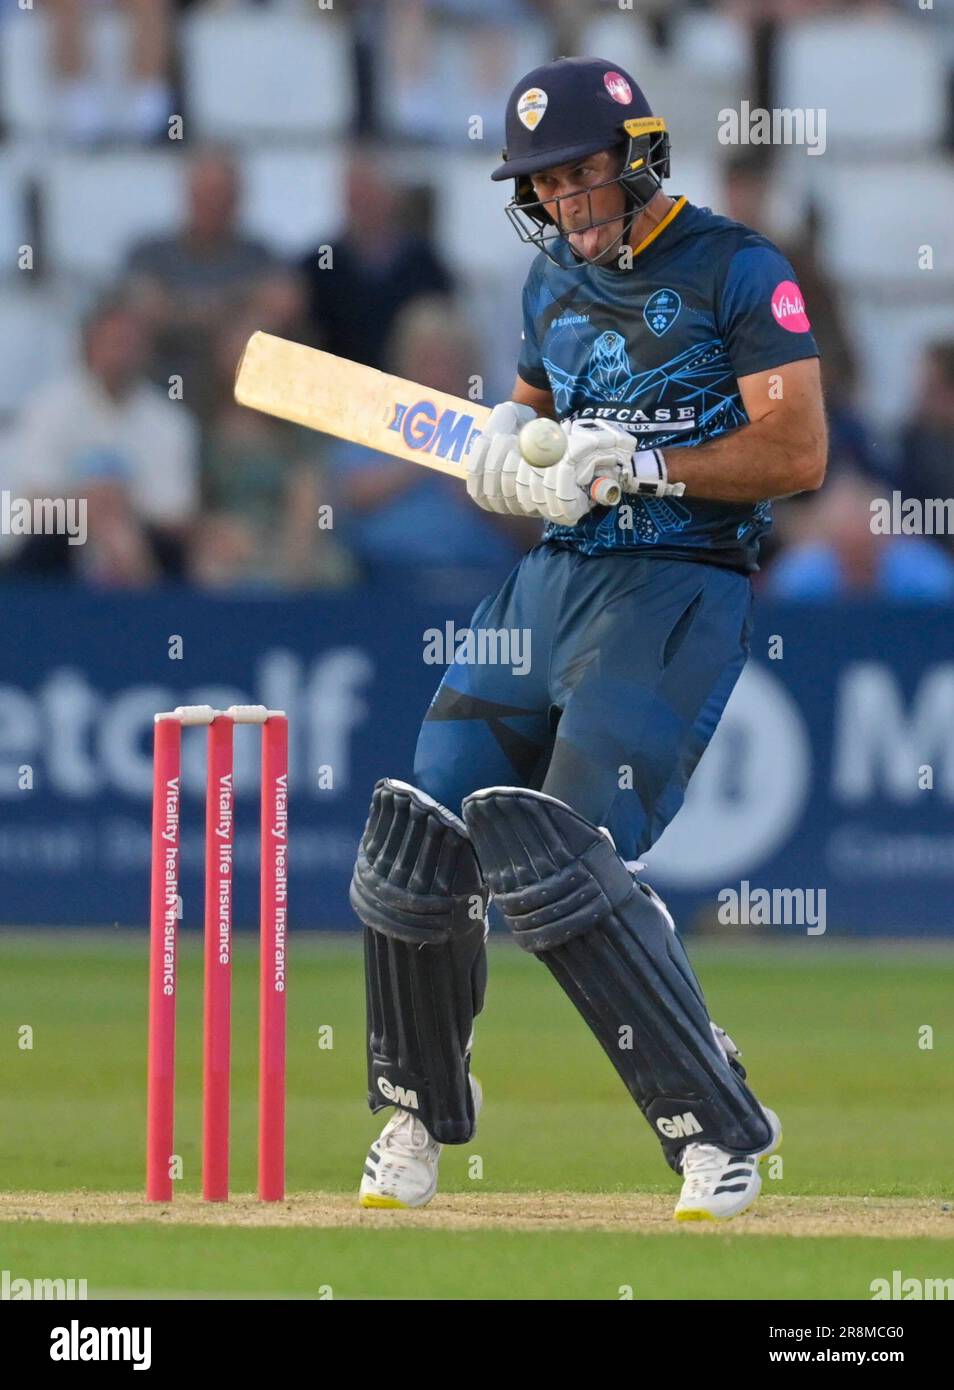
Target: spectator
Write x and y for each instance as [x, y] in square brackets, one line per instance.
[401, 513]
[376, 268]
[850, 445]
[85, 116]
[264, 488]
[846, 559]
[102, 432]
[190, 283]
[449, 59]
[747, 190]
[927, 451]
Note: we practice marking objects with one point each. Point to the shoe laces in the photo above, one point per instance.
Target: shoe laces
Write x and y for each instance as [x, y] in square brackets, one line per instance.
[408, 1134]
[701, 1166]
[699, 1159]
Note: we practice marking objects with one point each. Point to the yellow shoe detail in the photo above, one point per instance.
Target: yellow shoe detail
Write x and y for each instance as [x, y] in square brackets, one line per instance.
[372, 1199]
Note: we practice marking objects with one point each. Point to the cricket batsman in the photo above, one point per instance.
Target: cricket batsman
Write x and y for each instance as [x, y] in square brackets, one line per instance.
[673, 347]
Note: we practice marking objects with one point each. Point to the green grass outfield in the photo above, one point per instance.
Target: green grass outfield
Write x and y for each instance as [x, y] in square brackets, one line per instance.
[563, 1194]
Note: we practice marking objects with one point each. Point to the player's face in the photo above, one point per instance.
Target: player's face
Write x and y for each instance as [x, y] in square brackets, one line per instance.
[572, 195]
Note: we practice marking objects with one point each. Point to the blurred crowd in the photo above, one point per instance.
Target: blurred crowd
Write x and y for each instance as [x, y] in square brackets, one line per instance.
[183, 485]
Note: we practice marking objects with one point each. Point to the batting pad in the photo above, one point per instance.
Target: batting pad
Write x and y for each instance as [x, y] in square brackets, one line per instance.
[569, 899]
[417, 888]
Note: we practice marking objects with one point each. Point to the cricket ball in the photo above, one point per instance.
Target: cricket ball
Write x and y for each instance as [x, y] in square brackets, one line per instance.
[542, 442]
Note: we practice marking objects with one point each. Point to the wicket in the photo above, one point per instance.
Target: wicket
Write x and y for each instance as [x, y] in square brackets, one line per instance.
[217, 997]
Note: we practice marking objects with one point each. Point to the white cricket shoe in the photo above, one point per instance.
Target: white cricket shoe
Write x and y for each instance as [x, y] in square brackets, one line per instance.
[401, 1167]
[719, 1185]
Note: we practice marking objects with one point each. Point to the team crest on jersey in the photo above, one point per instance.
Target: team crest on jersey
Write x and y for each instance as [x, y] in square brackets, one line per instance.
[531, 105]
[661, 310]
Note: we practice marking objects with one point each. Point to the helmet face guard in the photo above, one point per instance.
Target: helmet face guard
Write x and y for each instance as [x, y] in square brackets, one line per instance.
[644, 164]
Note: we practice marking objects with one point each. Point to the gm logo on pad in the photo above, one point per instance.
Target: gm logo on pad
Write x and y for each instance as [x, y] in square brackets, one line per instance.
[398, 1094]
[678, 1126]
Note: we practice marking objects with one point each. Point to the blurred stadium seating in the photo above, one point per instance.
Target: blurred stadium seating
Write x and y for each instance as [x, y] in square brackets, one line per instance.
[289, 86]
[283, 95]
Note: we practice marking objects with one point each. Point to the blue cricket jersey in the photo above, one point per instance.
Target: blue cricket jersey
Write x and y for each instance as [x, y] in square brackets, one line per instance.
[659, 350]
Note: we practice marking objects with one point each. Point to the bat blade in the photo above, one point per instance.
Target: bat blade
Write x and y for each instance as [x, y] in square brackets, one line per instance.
[335, 396]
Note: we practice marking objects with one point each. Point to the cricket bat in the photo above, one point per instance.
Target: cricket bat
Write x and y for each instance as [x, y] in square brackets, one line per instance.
[343, 398]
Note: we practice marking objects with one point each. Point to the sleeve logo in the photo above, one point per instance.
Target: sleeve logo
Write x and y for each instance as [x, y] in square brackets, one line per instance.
[788, 308]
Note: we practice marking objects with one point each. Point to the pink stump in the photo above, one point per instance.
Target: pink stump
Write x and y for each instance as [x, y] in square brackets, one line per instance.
[272, 964]
[217, 1011]
[163, 927]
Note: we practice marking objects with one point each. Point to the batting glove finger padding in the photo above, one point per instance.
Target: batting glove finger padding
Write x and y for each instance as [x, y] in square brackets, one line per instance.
[494, 457]
[556, 493]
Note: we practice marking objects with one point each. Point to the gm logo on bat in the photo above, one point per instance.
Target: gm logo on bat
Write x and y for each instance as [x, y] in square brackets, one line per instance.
[447, 433]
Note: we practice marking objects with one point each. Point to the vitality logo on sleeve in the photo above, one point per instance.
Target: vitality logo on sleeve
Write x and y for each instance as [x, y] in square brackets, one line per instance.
[788, 307]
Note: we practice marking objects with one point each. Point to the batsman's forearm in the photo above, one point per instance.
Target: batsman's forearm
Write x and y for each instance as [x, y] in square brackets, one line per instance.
[749, 464]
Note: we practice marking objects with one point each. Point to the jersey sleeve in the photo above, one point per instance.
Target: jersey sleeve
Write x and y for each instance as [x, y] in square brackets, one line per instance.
[763, 319]
[530, 366]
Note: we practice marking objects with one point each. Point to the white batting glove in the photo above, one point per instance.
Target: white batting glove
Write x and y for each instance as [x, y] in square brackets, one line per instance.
[599, 446]
[496, 455]
[559, 493]
[562, 492]
[499, 479]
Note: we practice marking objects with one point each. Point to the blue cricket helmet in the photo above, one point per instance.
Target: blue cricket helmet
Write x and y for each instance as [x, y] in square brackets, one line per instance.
[566, 110]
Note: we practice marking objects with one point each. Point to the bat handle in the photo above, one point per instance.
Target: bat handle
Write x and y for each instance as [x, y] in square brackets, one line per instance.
[605, 492]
